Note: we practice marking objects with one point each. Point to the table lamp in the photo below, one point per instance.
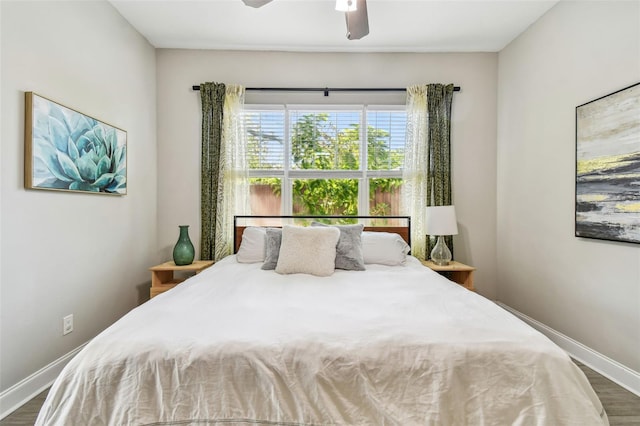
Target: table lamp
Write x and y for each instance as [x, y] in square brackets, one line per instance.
[441, 221]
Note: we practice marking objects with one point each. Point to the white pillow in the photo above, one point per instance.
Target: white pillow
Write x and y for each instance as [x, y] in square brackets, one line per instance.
[384, 248]
[308, 250]
[252, 247]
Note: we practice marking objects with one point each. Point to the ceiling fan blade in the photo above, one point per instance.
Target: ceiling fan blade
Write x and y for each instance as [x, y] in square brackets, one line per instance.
[357, 21]
[256, 3]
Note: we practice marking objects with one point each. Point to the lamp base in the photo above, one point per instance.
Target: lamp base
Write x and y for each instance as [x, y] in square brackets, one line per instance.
[441, 255]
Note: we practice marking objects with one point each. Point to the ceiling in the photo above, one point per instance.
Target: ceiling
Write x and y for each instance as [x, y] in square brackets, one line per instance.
[315, 25]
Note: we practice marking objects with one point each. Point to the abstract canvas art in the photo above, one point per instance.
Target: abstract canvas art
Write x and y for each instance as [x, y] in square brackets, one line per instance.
[608, 167]
[66, 150]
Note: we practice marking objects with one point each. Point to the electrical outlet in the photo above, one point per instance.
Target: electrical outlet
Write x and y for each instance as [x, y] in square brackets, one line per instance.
[67, 324]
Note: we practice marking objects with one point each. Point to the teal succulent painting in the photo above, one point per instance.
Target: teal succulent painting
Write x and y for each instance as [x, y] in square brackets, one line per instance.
[67, 150]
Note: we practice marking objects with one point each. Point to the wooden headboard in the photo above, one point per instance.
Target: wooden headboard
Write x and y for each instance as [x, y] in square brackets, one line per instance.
[400, 225]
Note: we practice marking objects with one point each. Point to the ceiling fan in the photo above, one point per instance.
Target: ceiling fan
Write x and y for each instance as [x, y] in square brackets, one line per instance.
[355, 13]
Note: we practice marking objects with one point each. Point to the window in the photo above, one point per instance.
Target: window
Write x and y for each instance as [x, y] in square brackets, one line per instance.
[325, 161]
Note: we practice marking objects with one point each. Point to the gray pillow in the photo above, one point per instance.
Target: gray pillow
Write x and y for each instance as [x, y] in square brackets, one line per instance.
[272, 248]
[349, 249]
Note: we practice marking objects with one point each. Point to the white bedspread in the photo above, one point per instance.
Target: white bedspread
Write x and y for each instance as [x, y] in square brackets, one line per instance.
[237, 345]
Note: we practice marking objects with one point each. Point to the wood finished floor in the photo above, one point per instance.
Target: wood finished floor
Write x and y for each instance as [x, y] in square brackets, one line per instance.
[622, 406]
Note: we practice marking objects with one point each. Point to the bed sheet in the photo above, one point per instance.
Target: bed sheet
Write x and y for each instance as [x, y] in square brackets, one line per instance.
[387, 346]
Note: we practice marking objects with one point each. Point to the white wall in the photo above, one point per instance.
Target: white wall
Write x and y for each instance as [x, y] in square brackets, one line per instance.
[473, 127]
[586, 289]
[69, 253]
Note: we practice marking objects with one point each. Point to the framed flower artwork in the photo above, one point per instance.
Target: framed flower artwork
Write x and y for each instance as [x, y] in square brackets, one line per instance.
[66, 150]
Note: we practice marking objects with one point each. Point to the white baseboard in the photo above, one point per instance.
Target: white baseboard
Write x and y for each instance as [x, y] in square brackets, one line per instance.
[25, 390]
[613, 370]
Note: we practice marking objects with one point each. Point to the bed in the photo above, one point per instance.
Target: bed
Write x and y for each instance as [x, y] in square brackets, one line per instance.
[393, 344]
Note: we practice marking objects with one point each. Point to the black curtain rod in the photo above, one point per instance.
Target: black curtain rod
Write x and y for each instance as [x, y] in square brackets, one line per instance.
[326, 90]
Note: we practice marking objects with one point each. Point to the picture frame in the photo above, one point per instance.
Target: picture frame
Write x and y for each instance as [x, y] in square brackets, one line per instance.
[66, 150]
[607, 202]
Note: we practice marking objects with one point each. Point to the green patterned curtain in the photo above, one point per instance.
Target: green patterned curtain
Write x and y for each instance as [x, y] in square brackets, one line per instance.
[212, 96]
[439, 97]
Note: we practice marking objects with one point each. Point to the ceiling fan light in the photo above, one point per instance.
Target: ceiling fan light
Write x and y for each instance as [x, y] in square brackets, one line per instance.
[256, 3]
[346, 5]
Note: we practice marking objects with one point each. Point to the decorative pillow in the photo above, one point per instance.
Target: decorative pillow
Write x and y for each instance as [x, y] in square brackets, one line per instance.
[349, 249]
[272, 248]
[384, 248]
[308, 250]
[252, 247]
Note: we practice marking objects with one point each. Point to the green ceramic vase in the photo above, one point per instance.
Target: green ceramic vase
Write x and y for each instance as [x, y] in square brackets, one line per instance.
[183, 252]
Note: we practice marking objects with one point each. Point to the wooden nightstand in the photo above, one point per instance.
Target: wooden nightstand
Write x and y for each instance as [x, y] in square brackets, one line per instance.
[455, 271]
[162, 275]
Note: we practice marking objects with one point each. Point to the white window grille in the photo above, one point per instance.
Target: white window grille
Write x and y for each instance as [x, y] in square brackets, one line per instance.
[344, 159]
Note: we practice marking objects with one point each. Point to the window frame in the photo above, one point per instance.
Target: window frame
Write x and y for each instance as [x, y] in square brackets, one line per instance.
[287, 175]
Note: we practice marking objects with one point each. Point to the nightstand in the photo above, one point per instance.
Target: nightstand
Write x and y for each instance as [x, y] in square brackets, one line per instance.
[455, 271]
[162, 278]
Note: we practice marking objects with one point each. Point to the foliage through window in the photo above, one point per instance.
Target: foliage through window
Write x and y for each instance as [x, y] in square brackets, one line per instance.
[329, 161]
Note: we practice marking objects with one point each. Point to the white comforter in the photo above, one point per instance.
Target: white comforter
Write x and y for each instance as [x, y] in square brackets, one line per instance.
[237, 345]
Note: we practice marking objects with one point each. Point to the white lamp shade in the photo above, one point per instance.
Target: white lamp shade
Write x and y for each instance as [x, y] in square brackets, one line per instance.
[441, 220]
[346, 5]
